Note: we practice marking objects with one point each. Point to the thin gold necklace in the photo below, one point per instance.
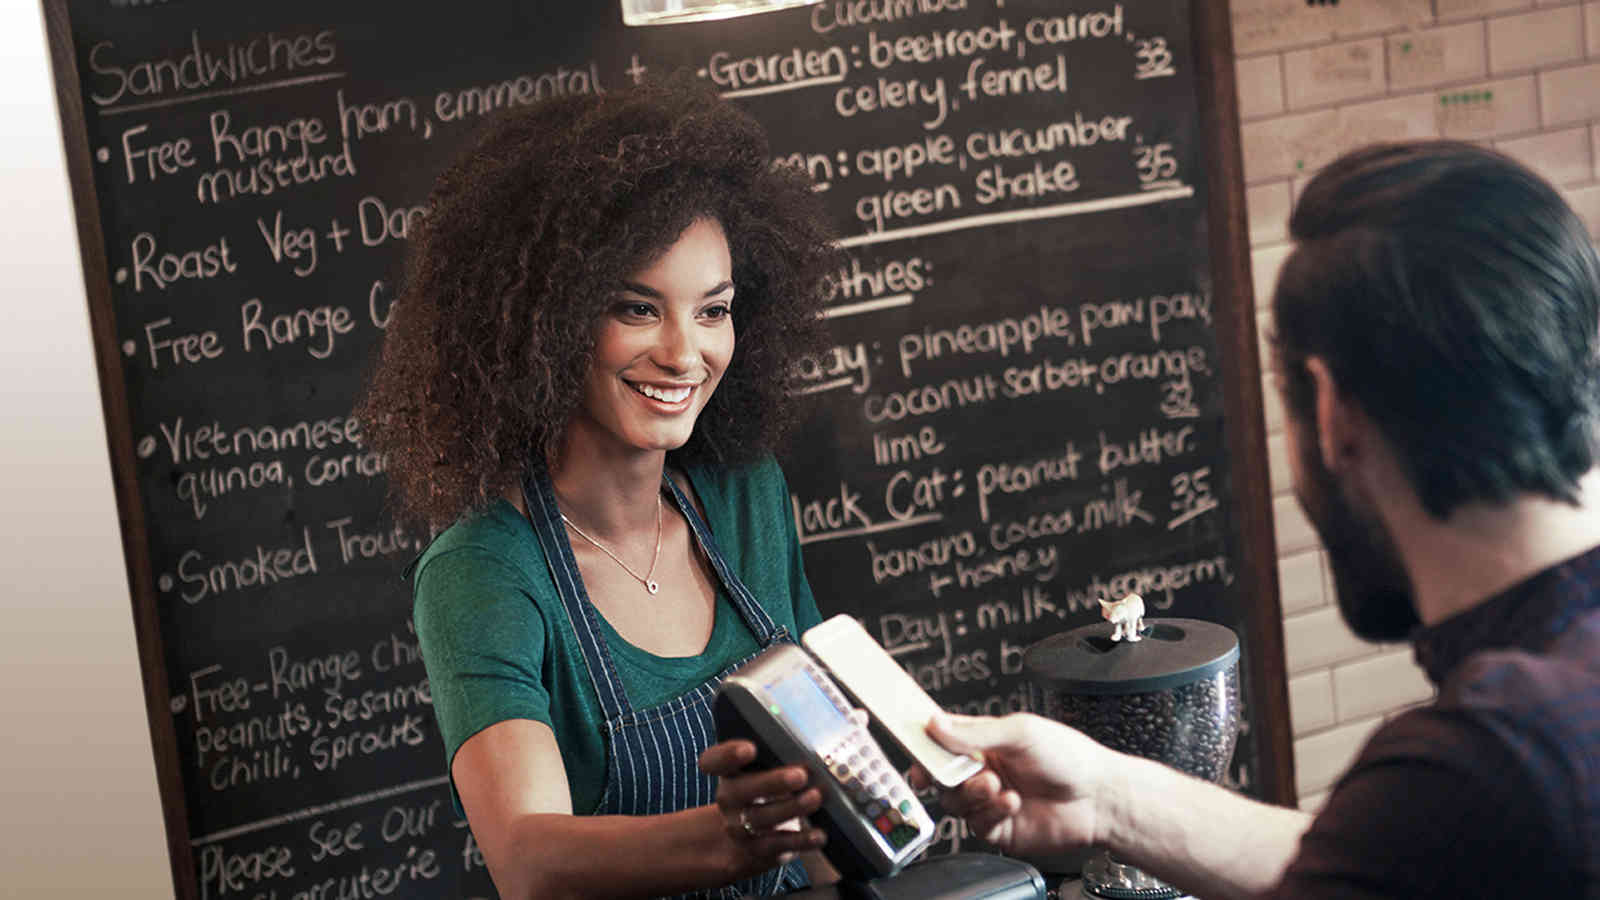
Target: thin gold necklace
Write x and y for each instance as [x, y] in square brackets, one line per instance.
[647, 580]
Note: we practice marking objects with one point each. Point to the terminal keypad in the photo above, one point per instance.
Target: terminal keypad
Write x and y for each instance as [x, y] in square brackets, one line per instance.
[878, 792]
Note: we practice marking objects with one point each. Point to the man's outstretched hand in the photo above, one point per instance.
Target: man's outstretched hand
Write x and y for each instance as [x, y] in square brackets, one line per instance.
[1038, 791]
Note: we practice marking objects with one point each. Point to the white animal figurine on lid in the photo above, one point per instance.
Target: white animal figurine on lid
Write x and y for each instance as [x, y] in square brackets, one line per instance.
[1127, 615]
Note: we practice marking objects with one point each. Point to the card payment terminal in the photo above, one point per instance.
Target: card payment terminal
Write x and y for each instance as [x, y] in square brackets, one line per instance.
[789, 707]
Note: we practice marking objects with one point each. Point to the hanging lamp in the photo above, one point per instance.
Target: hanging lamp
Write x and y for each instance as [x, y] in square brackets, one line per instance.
[670, 12]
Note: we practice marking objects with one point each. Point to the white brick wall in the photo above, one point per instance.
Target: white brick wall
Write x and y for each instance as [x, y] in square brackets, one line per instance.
[1423, 58]
[1315, 81]
[1300, 582]
[1455, 9]
[1335, 73]
[1319, 639]
[1260, 86]
[1272, 404]
[1311, 702]
[1489, 109]
[1373, 686]
[1262, 25]
[1563, 157]
[1295, 533]
[1586, 200]
[1532, 39]
[1571, 94]
[1321, 757]
[1268, 206]
[1264, 265]
[1313, 802]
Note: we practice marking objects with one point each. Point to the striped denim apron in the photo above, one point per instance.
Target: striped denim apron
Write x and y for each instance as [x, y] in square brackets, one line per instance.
[652, 754]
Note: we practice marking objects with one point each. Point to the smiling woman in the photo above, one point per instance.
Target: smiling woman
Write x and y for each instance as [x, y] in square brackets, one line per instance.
[581, 385]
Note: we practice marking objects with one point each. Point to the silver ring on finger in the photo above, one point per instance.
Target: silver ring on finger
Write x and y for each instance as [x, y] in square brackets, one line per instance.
[745, 823]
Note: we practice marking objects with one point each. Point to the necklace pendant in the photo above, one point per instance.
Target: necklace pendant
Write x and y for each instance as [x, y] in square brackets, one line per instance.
[651, 586]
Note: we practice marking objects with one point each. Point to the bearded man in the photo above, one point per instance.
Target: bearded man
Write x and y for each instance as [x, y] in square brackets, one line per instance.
[1437, 347]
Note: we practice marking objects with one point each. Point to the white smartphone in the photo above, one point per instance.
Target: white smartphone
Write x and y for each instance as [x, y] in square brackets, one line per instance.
[889, 694]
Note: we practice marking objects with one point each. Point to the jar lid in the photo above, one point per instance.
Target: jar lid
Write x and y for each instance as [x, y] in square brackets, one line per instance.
[1174, 652]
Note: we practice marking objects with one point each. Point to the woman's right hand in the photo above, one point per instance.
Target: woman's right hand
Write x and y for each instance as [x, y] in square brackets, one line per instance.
[760, 810]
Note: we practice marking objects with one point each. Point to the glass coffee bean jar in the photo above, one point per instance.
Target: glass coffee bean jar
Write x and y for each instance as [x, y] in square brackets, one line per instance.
[1171, 696]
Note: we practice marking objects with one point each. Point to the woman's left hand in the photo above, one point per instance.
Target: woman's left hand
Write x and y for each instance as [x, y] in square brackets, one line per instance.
[761, 809]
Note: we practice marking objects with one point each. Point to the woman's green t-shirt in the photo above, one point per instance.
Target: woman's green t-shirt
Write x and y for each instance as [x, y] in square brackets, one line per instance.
[498, 644]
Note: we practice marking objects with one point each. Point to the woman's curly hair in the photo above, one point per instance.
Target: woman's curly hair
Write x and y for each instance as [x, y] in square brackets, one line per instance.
[528, 237]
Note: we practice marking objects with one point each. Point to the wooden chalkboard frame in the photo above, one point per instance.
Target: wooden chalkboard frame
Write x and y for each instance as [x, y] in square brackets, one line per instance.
[1237, 346]
[120, 443]
[1242, 401]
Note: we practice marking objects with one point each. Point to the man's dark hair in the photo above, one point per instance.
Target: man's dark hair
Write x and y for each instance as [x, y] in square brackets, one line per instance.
[1456, 299]
[529, 235]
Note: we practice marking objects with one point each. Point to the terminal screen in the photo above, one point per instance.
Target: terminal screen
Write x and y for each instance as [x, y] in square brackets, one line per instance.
[808, 711]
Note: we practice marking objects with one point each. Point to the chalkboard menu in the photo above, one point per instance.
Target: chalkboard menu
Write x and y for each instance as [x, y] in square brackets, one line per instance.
[1043, 386]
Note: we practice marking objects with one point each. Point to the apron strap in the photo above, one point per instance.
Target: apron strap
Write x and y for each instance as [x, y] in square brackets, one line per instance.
[761, 624]
[545, 516]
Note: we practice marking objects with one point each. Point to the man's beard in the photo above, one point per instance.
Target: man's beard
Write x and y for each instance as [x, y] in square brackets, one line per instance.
[1374, 592]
